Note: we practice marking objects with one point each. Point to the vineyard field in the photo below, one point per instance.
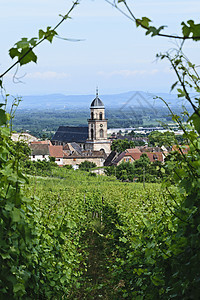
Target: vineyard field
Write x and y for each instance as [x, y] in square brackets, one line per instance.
[106, 231]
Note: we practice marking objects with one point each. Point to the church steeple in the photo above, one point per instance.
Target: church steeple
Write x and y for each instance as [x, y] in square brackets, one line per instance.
[97, 126]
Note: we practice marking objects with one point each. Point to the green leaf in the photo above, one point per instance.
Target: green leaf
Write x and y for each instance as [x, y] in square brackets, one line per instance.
[157, 280]
[41, 34]
[16, 215]
[173, 86]
[33, 41]
[18, 287]
[193, 29]
[196, 121]
[28, 57]
[3, 117]
[185, 29]
[181, 93]
[123, 239]
[14, 52]
[154, 31]
[24, 43]
[144, 22]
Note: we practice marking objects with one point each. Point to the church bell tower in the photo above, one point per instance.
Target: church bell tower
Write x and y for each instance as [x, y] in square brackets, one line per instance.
[97, 127]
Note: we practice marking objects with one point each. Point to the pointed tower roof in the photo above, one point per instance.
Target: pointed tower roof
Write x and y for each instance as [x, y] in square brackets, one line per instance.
[97, 103]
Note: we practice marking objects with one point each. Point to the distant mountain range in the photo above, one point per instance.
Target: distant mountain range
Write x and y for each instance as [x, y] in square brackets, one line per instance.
[123, 101]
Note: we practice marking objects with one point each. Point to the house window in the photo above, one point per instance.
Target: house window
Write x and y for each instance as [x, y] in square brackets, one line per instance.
[74, 159]
[101, 133]
[43, 156]
[33, 156]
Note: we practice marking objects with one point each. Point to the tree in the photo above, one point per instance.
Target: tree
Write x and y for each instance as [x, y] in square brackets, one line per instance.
[87, 165]
[160, 139]
[125, 171]
[121, 145]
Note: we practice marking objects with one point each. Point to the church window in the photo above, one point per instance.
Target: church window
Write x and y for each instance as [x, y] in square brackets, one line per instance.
[92, 134]
[92, 115]
[101, 133]
[100, 116]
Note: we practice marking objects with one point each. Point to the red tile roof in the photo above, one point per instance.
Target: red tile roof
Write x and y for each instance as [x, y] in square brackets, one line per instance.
[133, 150]
[56, 151]
[153, 156]
[47, 142]
[179, 148]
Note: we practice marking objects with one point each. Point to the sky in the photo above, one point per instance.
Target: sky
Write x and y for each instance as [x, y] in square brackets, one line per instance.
[113, 54]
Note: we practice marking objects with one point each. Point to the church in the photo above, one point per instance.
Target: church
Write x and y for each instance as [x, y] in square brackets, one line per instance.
[90, 138]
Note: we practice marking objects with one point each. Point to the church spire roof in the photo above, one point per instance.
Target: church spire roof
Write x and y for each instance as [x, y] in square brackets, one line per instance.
[97, 103]
[97, 92]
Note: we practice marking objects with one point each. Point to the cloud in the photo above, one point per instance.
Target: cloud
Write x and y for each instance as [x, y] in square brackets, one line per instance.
[47, 75]
[128, 73]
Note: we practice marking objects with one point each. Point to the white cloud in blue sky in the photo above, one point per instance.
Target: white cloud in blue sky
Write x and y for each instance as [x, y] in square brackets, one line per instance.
[113, 54]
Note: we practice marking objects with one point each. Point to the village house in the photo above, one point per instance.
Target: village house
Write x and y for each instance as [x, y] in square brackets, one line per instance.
[131, 155]
[97, 157]
[23, 137]
[43, 150]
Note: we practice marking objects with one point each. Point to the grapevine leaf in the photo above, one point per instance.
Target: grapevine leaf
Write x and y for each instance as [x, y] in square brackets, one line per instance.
[14, 52]
[173, 86]
[24, 43]
[181, 93]
[33, 41]
[185, 30]
[196, 121]
[28, 57]
[154, 31]
[41, 34]
[16, 215]
[3, 118]
[144, 22]
[193, 29]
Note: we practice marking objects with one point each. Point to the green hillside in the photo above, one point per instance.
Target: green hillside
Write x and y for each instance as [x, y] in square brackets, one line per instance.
[105, 232]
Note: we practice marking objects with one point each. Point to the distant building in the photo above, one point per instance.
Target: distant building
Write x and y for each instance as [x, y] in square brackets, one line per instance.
[42, 151]
[131, 155]
[24, 136]
[69, 134]
[91, 138]
[97, 157]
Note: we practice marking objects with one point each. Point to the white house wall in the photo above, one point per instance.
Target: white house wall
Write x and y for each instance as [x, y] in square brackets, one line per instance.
[39, 157]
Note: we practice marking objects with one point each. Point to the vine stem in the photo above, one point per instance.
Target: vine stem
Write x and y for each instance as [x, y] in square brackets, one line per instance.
[132, 17]
[44, 38]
